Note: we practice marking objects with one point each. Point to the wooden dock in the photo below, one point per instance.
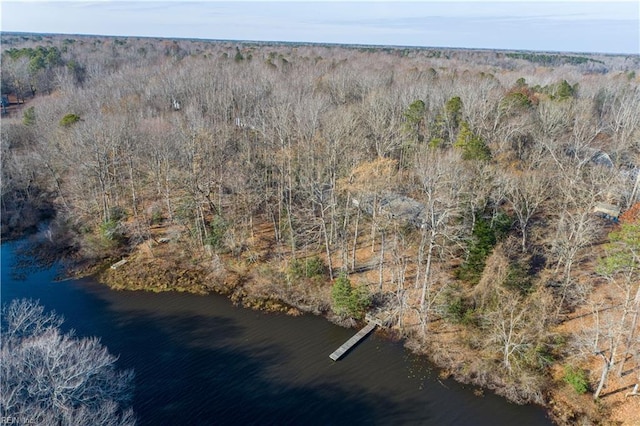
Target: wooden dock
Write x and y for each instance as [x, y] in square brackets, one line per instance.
[353, 341]
[118, 264]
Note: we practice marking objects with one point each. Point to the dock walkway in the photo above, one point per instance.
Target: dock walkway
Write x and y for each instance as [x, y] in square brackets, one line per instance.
[338, 353]
[118, 264]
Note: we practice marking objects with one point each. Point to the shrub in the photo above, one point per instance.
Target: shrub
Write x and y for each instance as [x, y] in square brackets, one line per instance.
[415, 113]
[69, 120]
[307, 268]
[485, 235]
[482, 243]
[238, 57]
[453, 110]
[108, 229]
[117, 213]
[458, 311]
[218, 228]
[577, 378]
[473, 146]
[340, 294]
[501, 225]
[540, 356]
[564, 90]
[518, 278]
[156, 217]
[516, 100]
[112, 231]
[29, 116]
[348, 300]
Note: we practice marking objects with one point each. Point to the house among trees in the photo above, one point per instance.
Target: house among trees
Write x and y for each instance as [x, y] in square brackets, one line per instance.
[402, 209]
[607, 211]
[601, 158]
[595, 156]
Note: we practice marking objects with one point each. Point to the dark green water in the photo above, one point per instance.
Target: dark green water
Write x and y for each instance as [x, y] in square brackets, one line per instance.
[201, 361]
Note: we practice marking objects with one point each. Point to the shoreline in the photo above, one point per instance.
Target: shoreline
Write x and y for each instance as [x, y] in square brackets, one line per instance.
[241, 295]
[449, 357]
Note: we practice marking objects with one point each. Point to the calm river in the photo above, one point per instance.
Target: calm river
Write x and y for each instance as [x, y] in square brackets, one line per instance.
[199, 360]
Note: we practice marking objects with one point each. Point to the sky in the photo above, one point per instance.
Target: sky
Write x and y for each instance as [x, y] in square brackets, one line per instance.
[543, 25]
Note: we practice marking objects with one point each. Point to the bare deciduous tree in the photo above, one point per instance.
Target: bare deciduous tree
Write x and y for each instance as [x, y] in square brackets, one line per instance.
[438, 174]
[526, 193]
[55, 378]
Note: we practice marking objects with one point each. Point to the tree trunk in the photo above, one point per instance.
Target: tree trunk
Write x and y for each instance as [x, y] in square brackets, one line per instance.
[326, 242]
[423, 241]
[381, 263]
[355, 242]
[58, 187]
[427, 271]
[167, 195]
[632, 332]
[373, 224]
[635, 194]
[134, 199]
[603, 377]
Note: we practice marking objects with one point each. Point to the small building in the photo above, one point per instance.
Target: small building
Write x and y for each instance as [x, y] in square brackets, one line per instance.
[593, 156]
[601, 158]
[607, 211]
[404, 210]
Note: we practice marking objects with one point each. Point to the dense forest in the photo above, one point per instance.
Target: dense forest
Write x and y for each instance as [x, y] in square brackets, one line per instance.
[486, 202]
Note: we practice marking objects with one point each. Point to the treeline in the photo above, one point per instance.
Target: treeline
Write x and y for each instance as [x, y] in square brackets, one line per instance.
[454, 194]
[553, 60]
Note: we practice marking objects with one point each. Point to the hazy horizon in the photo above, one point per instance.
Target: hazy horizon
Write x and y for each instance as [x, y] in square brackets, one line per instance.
[569, 26]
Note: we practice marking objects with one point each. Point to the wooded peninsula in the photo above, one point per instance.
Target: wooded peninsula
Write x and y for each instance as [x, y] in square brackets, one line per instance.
[486, 202]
